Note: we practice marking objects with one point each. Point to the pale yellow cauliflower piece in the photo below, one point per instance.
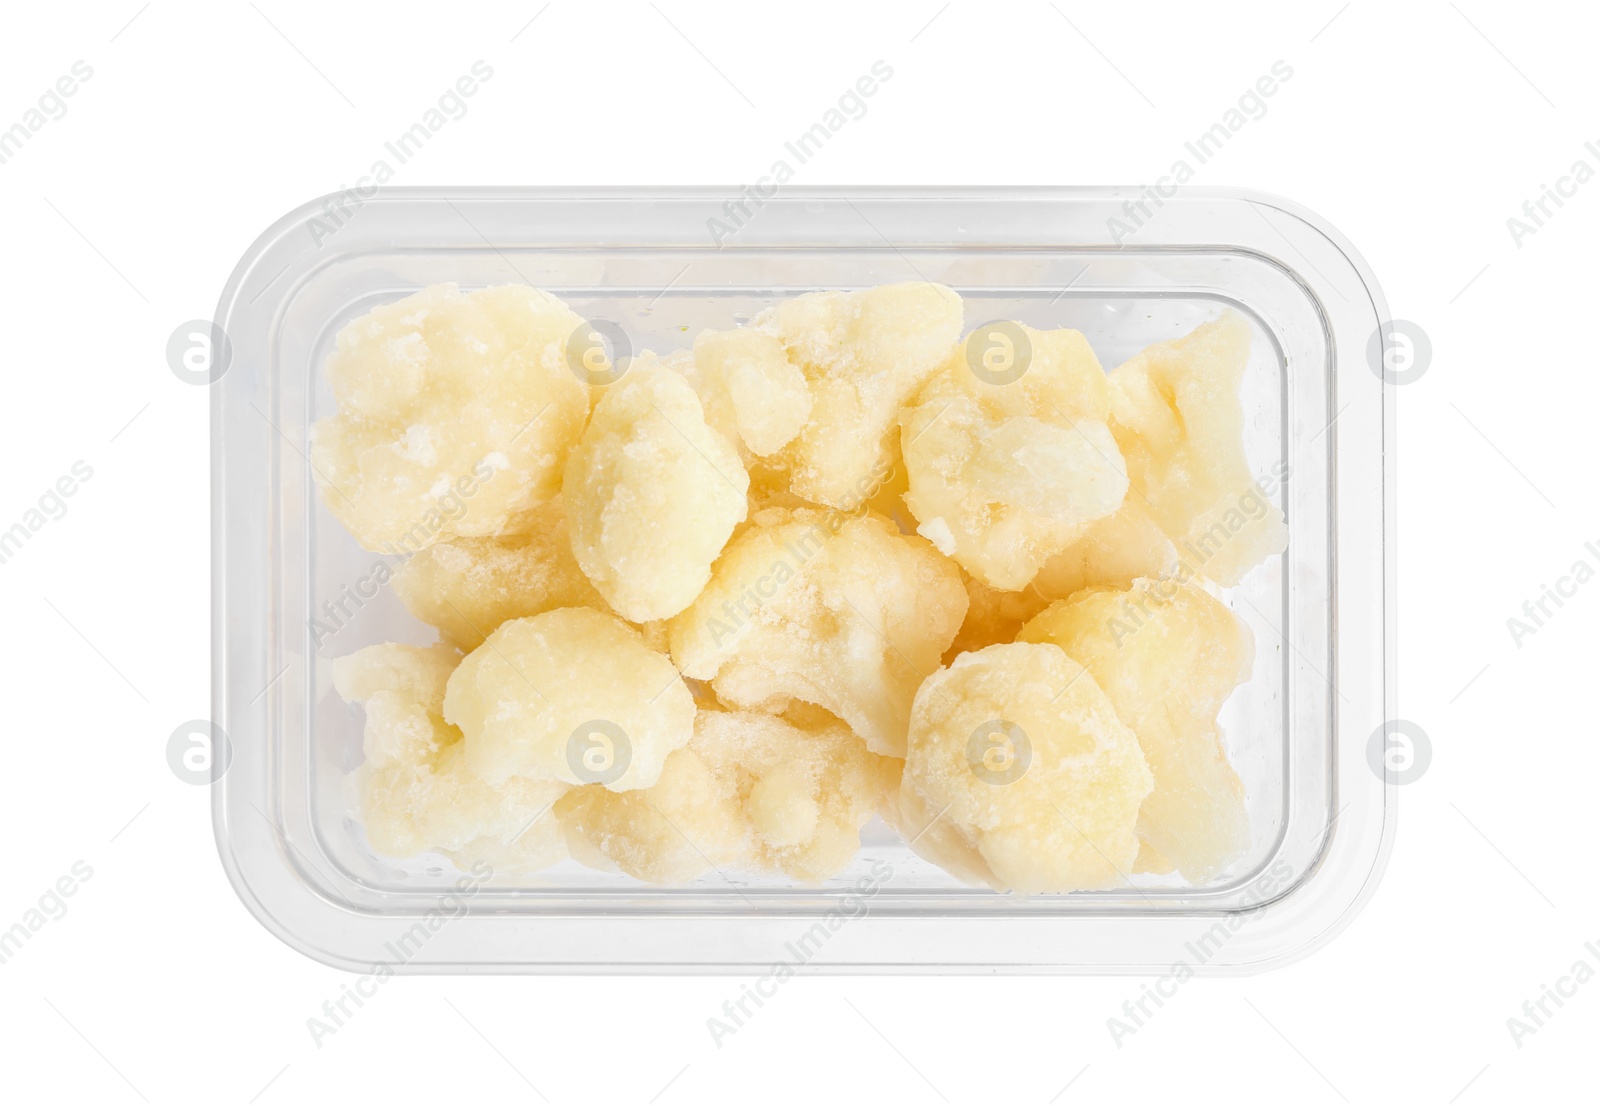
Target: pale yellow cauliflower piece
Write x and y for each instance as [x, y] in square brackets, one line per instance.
[863, 354]
[571, 695]
[652, 494]
[752, 791]
[456, 413]
[1020, 775]
[1114, 551]
[467, 587]
[844, 612]
[1168, 655]
[681, 826]
[806, 787]
[1005, 475]
[417, 792]
[751, 391]
[1178, 418]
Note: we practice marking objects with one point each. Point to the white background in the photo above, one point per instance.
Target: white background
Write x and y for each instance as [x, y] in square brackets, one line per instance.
[1417, 129]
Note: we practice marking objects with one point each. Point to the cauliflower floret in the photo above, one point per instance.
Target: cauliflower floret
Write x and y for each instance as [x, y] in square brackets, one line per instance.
[417, 792]
[652, 494]
[844, 612]
[1006, 472]
[571, 695]
[752, 392]
[863, 355]
[1019, 774]
[806, 786]
[456, 412]
[1168, 655]
[1114, 551]
[685, 823]
[468, 586]
[751, 791]
[1177, 416]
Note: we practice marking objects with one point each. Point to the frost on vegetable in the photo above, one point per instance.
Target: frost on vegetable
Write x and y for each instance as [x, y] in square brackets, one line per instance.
[455, 413]
[652, 494]
[1008, 469]
[681, 826]
[863, 354]
[1114, 551]
[570, 695]
[752, 392]
[752, 791]
[467, 587]
[1168, 655]
[844, 612]
[417, 792]
[1020, 775]
[1178, 418]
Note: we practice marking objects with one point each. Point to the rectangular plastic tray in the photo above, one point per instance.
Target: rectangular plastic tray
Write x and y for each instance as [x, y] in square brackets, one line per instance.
[1123, 266]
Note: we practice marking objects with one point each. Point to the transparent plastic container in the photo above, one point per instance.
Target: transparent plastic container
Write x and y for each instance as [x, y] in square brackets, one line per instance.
[1125, 266]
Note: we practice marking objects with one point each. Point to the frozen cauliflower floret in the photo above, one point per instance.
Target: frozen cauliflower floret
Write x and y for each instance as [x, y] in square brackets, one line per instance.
[1019, 774]
[652, 494]
[863, 354]
[1177, 416]
[417, 792]
[844, 612]
[1114, 551]
[752, 392]
[1005, 475]
[683, 825]
[751, 791]
[571, 695]
[1168, 655]
[467, 587]
[805, 787]
[456, 412]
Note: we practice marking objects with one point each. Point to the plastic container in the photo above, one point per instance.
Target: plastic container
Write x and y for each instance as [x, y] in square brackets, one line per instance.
[1127, 267]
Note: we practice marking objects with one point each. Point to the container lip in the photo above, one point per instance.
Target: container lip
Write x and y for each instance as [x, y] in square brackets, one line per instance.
[260, 900]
